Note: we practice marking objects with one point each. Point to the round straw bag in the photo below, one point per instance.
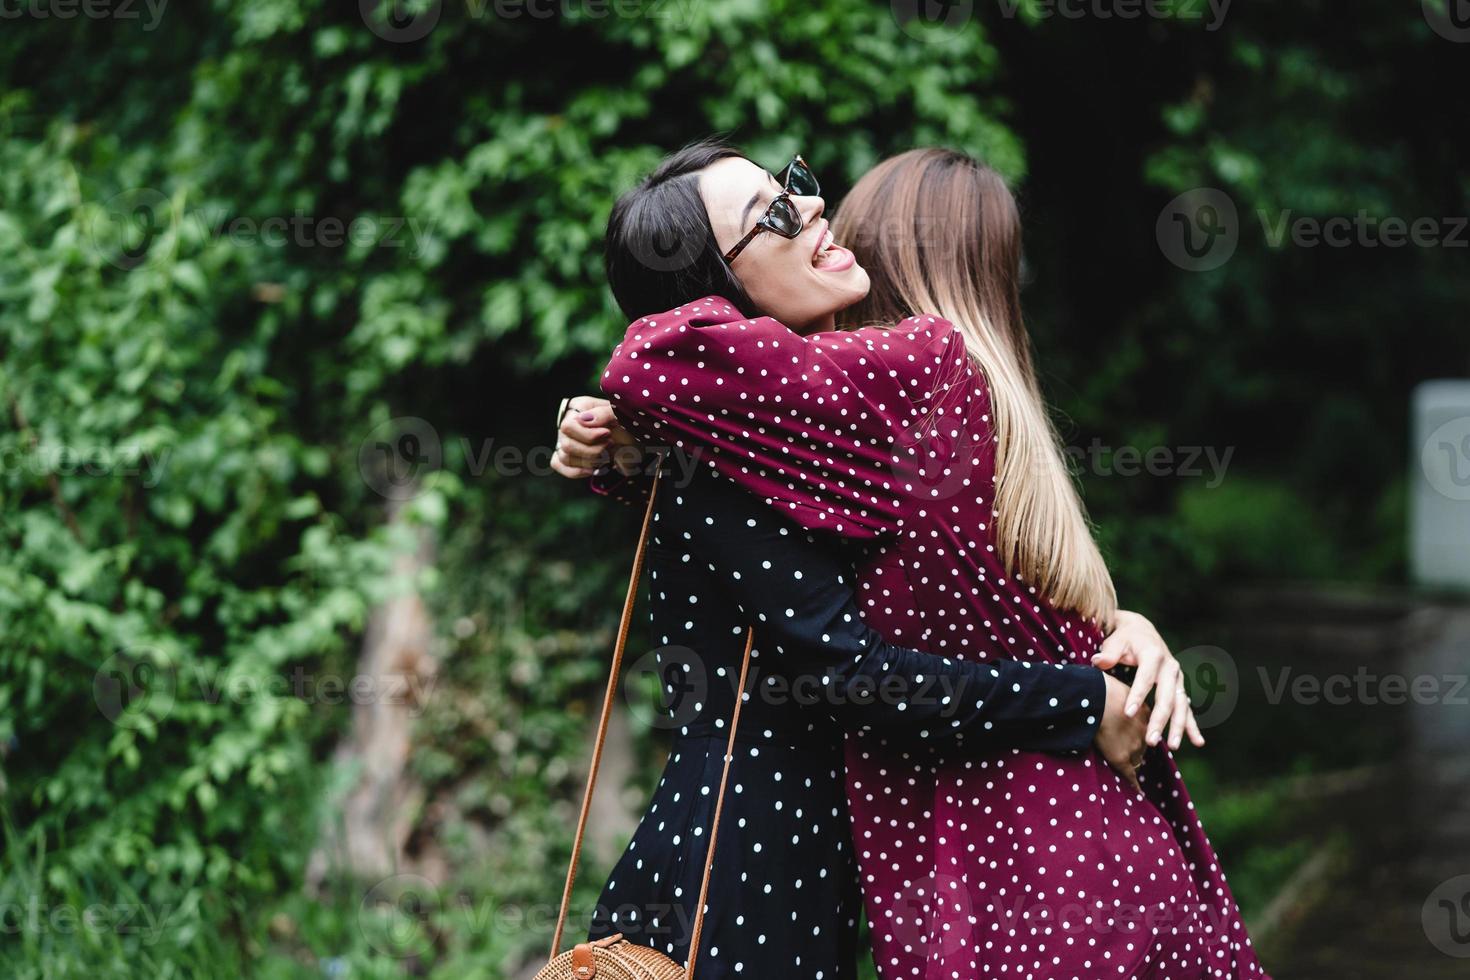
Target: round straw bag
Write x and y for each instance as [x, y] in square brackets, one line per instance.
[615, 958]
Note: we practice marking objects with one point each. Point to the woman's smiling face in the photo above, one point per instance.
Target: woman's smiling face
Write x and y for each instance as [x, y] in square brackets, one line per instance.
[802, 281]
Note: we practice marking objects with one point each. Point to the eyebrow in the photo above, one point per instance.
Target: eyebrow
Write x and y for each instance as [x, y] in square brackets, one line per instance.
[745, 212]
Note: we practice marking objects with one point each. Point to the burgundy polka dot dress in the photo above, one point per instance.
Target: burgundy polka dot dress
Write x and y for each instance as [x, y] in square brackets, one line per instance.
[1018, 865]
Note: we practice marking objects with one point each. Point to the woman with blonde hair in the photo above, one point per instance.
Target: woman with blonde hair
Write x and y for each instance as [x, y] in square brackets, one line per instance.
[919, 432]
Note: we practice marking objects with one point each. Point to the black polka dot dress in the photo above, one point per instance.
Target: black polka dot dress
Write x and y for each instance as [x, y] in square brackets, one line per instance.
[784, 897]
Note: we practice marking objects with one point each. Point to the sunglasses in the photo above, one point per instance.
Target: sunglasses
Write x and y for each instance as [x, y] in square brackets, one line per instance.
[782, 216]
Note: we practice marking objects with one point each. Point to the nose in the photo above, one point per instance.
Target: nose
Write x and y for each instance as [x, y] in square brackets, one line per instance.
[811, 207]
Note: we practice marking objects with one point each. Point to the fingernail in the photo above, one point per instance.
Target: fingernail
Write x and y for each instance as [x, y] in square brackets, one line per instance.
[1153, 738]
[588, 416]
[1131, 710]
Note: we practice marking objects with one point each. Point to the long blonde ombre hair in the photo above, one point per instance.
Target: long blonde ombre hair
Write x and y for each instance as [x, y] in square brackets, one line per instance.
[939, 232]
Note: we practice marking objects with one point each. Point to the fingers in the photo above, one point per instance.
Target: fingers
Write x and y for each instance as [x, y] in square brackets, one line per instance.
[1181, 714]
[583, 436]
[577, 440]
[579, 455]
[583, 403]
[1130, 773]
[1143, 681]
[594, 416]
[569, 471]
[1192, 726]
[1164, 700]
[1110, 654]
[588, 433]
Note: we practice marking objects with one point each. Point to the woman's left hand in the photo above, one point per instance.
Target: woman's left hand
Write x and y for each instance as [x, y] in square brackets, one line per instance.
[1135, 643]
[588, 436]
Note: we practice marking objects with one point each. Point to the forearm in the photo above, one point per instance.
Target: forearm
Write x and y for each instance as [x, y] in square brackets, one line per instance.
[870, 684]
[796, 593]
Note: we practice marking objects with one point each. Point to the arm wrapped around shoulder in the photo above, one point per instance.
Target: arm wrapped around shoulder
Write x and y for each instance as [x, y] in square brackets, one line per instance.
[814, 425]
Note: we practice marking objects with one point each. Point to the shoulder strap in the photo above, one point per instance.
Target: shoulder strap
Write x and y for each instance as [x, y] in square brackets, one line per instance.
[607, 705]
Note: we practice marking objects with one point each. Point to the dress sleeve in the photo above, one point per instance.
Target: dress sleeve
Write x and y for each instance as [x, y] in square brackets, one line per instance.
[823, 427]
[796, 593]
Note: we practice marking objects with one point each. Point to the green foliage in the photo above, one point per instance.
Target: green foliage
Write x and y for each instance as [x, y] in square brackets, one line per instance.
[240, 239]
[168, 558]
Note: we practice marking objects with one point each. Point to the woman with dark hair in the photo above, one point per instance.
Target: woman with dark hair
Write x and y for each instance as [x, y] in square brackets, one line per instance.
[925, 440]
[784, 897]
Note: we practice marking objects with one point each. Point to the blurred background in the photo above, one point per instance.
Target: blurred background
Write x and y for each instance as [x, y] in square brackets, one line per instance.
[300, 643]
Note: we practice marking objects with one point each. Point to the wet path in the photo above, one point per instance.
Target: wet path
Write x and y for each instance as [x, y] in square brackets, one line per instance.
[1398, 906]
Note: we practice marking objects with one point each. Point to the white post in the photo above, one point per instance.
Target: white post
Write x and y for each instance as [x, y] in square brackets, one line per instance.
[1439, 497]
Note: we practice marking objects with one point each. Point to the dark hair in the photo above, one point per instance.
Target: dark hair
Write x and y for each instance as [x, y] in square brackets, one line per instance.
[661, 250]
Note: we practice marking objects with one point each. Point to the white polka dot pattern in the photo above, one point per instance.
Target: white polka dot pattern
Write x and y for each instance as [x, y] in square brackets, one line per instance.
[1020, 865]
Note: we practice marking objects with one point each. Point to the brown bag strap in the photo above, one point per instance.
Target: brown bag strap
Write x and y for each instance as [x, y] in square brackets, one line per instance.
[607, 706]
[714, 831]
